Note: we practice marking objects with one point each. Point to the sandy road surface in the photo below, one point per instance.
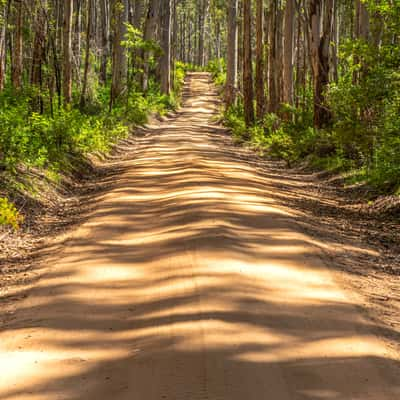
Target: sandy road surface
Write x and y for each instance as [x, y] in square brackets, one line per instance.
[190, 282]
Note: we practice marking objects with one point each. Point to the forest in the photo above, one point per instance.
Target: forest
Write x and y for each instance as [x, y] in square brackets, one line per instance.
[324, 79]
[199, 199]
[302, 80]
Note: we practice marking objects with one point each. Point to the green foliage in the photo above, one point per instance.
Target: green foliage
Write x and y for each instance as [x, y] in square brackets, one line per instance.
[181, 70]
[134, 41]
[366, 108]
[385, 170]
[364, 136]
[137, 106]
[290, 138]
[187, 67]
[45, 141]
[281, 145]
[51, 139]
[234, 119]
[9, 215]
[217, 68]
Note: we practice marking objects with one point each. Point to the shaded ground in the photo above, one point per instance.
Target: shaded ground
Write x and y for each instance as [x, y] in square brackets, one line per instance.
[196, 277]
[360, 240]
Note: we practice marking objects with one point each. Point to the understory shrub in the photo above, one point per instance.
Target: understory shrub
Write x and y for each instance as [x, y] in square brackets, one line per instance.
[364, 136]
[234, 119]
[49, 138]
[9, 215]
[44, 141]
[217, 68]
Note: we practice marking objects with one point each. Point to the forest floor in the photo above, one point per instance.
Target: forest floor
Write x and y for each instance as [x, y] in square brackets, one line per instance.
[192, 269]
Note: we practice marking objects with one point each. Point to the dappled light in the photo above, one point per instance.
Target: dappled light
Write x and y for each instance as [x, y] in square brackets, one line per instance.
[191, 280]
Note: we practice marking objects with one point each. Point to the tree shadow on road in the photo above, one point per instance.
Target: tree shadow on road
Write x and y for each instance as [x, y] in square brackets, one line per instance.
[191, 280]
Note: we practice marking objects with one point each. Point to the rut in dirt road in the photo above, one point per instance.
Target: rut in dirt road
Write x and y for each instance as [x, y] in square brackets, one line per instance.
[190, 281]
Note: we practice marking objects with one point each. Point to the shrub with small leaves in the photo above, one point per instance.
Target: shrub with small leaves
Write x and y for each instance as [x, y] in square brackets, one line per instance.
[9, 215]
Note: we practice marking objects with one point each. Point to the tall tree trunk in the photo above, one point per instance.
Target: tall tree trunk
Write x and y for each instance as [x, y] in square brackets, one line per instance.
[320, 45]
[174, 41]
[39, 54]
[288, 52]
[335, 50]
[203, 16]
[267, 22]
[260, 91]
[105, 23]
[3, 43]
[361, 32]
[67, 51]
[278, 68]
[363, 29]
[273, 83]
[190, 42]
[16, 76]
[138, 11]
[232, 54]
[89, 38]
[119, 57]
[165, 60]
[149, 33]
[77, 39]
[248, 92]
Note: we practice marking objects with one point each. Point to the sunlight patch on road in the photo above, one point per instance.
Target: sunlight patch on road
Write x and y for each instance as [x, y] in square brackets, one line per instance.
[260, 208]
[195, 192]
[290, 281]
[333, 348]
[221, 335]
[22, 371]
[110, 272]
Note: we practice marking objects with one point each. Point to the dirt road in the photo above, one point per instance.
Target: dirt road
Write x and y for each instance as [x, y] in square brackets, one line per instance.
[190, 281]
